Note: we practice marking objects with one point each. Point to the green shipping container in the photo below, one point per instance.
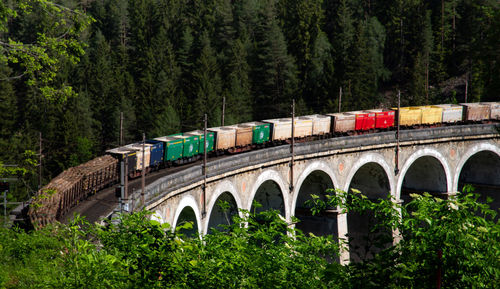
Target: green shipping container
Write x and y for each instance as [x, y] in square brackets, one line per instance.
[190, 145]
[173, 147]
[200, 136]
[261, 131]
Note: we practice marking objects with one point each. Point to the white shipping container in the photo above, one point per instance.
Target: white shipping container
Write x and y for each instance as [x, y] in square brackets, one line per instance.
[451, 112]
[321, 124]
[282, 128]
[147, 154]
[303, 126]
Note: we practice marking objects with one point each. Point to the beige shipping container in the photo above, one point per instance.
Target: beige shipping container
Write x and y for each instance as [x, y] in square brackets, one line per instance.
[225, 137]
[451, 112]
[342, 122]
[147, 154]
[475, 111]
[431, 114]
[243, 134]
[321, 124]
[303, 126]
[494, 109]
[409, 116]
[282, 128]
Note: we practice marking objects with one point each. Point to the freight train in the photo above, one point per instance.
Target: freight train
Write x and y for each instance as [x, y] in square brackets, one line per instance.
[181, 148]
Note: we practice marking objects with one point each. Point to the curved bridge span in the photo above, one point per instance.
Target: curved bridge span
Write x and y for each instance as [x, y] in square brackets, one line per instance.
[437, 160]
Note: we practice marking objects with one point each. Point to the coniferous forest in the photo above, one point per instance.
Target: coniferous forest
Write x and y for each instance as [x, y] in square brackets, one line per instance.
[68, 67]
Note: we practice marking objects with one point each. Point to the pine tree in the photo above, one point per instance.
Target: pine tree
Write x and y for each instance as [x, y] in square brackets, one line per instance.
[275, 76]
[207, 85]
[320, 87]
[238, 93]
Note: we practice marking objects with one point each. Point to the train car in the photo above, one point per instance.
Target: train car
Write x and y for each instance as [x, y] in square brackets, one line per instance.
[243, 135]
[452, 113]
[260, 131]
[121, 153]
[431, 114]
[409, 116]
[281, 128]
[138, 147]
[473, 112]
[303, 127]
[342, 122]
[190, 145]
[172, 148]
[156, 157]
[494, 109]
[320, 124]
[200, 135]
[384, 118]
[363, 120]
[225, 137]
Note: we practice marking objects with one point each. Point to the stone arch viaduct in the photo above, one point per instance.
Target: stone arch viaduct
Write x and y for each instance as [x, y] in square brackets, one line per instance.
[436, 160]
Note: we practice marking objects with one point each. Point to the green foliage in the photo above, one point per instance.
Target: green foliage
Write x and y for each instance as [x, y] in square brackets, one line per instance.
[262, 250]
[42, 56]
[464, 232]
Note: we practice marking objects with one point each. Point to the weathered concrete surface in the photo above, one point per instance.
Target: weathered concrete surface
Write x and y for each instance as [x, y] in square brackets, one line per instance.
[429, 159]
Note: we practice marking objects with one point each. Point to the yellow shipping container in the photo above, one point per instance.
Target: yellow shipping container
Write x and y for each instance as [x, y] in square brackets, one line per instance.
[410, 116]
[431, 114]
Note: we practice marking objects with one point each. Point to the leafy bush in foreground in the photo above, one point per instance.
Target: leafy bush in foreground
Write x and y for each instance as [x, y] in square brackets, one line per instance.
[263, 251]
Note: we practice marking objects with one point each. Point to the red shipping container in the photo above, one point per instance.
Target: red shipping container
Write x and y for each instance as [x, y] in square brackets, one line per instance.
[383, 118]
[364, 120]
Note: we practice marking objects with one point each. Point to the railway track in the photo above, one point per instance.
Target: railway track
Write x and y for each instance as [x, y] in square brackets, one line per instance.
[102, 204]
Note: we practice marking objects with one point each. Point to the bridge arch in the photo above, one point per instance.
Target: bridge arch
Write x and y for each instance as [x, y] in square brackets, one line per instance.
[480, 166]
[315, 166]
[371, 171]
[482, 147]
[224, 187]
[188, 203]
[264, 178]
[315, 178]
[367, 159]
[421, 153]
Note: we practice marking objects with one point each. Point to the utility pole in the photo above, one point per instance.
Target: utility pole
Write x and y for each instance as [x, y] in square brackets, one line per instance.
[223, 109]
[396, 169]
[204, 212]
[291, 147]
[143, 171]
[340, 100]
[122, 183]
[40, 162]
[125, 190]
[427, 77]
[466, 87]
[121, 128]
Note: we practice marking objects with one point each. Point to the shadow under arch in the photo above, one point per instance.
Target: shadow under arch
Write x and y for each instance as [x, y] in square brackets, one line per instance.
[425, 174]
[219, 215]
[187, 211]
[372, 180]
[269, 196]
[482, 171]
[316, 183]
